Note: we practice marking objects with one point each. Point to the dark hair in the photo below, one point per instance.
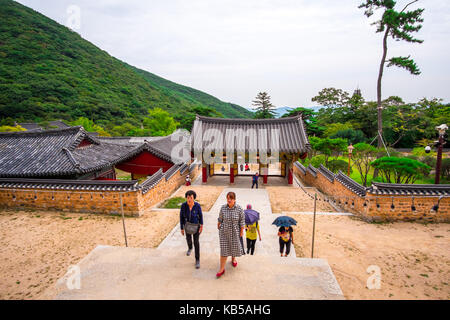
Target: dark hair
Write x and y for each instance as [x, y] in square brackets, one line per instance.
[232, 195]
[190, 193]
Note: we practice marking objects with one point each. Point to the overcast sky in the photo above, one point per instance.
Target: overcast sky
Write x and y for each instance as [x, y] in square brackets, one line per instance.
[292, 49]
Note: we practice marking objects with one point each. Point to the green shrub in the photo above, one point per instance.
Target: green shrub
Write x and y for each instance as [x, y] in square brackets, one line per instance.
[174, 203]
[400, 170]
[411, 156]
[429, 161]
[315, 161]
[445, 168]
[420, 152]
[336, 165]
[352, 136]
[392, 152]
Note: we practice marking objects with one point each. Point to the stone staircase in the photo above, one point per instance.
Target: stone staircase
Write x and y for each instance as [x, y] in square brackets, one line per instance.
[167, 273]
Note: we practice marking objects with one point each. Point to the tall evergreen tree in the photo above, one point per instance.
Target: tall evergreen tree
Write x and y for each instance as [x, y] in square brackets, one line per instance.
[398, 25]
[264, 108]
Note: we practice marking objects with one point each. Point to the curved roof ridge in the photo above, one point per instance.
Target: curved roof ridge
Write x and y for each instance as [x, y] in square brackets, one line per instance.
[410, 186]
[42, 133]
[272, 120]
[72, 160]
[80, 136]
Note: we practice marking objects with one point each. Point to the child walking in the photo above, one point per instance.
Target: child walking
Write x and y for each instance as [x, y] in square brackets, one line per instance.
[251, 235]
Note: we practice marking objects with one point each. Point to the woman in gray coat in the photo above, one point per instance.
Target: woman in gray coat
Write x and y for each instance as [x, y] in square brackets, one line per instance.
[231, 225]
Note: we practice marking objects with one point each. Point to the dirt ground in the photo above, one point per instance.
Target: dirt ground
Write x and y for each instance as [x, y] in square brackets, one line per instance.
[414, 258]
[37, 248]
[288, 199]
[206, 195]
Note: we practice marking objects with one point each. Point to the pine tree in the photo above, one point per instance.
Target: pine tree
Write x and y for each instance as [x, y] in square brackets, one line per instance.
[397, 25]
[264, 108]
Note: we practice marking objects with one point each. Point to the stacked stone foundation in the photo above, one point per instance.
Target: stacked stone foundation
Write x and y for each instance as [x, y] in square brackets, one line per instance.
[135, 202]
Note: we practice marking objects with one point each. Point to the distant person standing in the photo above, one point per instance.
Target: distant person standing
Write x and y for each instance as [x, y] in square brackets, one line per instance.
[191, 217]
[188, 180]
[255, 180]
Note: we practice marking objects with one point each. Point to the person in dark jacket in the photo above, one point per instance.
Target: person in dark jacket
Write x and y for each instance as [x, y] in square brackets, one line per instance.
[191, 211]
[255, 180]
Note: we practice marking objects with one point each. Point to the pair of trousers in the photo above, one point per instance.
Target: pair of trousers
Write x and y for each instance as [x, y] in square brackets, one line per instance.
[255, 182]
[196, 243]
[287, 244]
[251, 246]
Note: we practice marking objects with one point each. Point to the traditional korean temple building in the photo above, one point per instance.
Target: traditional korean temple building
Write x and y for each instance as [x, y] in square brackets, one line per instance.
[69, 169]
[284, 138]
[32, 126]
[74, 154]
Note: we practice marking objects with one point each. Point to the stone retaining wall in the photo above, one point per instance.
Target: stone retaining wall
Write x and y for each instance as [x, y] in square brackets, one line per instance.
[372, 206]
[135, 201]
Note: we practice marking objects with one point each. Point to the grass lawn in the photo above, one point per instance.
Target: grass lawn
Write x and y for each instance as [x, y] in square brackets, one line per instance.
[173, 203]
[122, 175]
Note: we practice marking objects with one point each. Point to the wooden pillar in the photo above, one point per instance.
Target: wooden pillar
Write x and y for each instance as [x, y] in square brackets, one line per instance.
[263, 171]
[283, 169]
[290, 172]
[204, 173]
[231, 173]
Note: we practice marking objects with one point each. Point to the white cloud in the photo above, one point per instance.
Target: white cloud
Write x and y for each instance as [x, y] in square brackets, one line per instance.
[234, 49]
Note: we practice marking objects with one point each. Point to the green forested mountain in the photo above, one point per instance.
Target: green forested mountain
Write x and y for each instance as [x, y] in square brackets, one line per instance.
[195, 96]
[49, 72]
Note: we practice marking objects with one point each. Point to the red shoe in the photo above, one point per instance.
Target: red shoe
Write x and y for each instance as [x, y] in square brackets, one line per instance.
[219, 274]
[234, 263]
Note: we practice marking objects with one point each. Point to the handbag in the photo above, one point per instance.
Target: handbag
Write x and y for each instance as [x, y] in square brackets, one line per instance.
[191, 228]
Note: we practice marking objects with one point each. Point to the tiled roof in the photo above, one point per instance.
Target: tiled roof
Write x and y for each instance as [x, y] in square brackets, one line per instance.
[312, 170]
[151, 181]
[159, 146]
[174, 169]
[78, 185]
[326, 173]
[183, 168]
[292, 134]
[300, 167]
[351, 184]
[409, 189]
[32, 126]
[55, 153]
[127, 140]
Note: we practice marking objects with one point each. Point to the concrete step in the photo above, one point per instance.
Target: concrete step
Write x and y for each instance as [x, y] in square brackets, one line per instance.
[167, 273]
[141, 273]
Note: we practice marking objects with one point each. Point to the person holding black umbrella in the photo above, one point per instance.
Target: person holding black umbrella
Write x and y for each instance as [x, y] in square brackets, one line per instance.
[285, 233]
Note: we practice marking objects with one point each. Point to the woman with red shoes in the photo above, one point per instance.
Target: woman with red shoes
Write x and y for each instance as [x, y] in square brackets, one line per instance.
[231, 223]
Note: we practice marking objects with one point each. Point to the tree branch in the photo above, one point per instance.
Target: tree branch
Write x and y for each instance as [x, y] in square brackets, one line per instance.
[408, 5]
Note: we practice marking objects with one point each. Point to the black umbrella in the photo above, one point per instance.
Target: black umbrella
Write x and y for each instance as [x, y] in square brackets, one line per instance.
[284, 221]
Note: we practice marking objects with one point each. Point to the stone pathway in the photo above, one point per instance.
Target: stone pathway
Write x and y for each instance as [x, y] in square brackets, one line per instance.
[167, 273]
